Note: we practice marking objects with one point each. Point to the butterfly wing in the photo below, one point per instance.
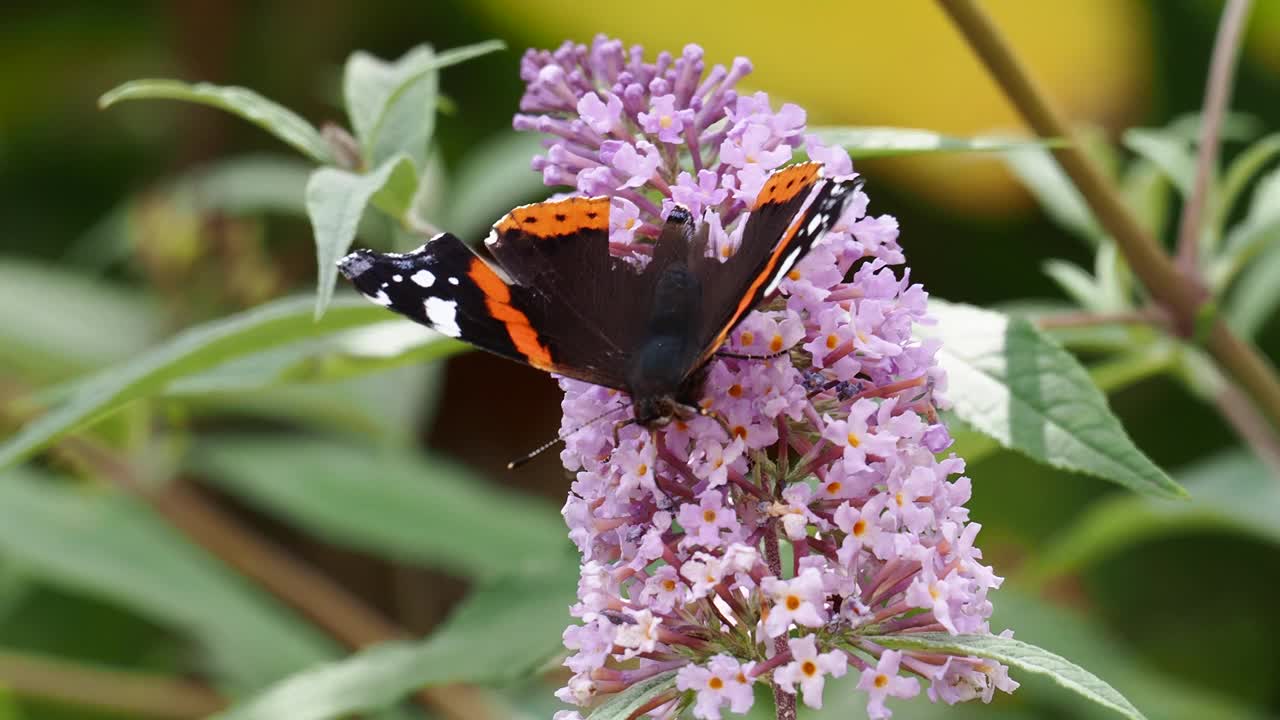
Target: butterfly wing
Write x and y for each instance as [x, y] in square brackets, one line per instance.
[793, 210]
[557, 309]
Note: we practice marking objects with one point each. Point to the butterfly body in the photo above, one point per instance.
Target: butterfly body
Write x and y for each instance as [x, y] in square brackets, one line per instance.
[569, 306]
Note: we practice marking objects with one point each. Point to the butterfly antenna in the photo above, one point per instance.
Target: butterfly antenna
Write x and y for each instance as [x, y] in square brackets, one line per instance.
[559, 439]
[535, 453]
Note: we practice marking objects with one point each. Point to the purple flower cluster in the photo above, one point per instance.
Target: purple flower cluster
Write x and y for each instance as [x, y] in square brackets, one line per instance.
[768, 544]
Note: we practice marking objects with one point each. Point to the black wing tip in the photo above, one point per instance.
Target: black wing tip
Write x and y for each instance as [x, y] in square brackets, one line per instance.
[357, 263]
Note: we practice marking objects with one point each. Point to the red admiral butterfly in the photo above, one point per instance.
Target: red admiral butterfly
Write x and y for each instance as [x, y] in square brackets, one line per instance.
[569, 306]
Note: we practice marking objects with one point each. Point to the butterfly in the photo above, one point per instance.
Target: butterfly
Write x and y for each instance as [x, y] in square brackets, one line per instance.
[560, 301]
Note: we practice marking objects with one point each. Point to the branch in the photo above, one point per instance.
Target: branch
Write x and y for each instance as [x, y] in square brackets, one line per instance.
[130, 693]
[1167, 286]
[1217, 94]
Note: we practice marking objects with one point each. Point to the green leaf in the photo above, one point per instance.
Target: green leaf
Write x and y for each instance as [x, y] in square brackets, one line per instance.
[1012, 382]
[395, 503]
[54, 322]
[1020, 655]
[500, 632]
[1040, 172]
[194, 350]
[1242, 170]
[336, 200]
[1255, 234]
[1233, 492]
[1253, 299]
[393, 105]
[248, 185]
[1148, 194]
[340, 356]
[1089, 644]
[107, 545]
[623, 705]
[1166, 151]
[493, 178]
[868, 142]
[1078, 285]
[270, 116]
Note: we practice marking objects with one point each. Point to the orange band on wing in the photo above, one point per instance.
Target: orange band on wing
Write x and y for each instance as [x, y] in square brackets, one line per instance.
[785, 184]
[561, 217]
[497, 300]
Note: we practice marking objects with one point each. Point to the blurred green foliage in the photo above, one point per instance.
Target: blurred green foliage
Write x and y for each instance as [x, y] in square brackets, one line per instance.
[151, 250]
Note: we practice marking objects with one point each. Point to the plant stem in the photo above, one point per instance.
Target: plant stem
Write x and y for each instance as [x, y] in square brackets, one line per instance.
[1157, 272]
[130, 693]
[783, 702]
[1217, 94]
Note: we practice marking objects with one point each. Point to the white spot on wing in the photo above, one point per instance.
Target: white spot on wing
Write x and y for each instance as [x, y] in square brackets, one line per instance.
[423, 278]
[382, 298]
[787, 262]
[492, 239]
[443, 315]
[815, 223]
[398, 278]
[453, 281]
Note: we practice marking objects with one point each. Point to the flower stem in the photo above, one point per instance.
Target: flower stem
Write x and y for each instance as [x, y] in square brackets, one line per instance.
[1217, 94]
[1161, 278]
[783, 702]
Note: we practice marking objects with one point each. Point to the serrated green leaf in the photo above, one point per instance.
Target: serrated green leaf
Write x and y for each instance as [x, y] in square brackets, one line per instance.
[194, 350]
[1012, 382]
[1019, 655]
[336, 200]
[266, 114]
[623, 705]
[500, 632]
[107, 545]
[1040, 172]
[395, 503]
[1166, 151]
[867, 142]
[393, 105]
[1233, 492]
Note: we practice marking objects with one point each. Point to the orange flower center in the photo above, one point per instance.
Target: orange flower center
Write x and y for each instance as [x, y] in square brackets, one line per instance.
[809, 668]
[881, 681]
[859, 528]
[739, 432]
[793, 602]
[643, 469]
[735, 390]
[708, 516]
[832, 341]
[853, 440]
[747, 337]
[776, 343]
[715, 683]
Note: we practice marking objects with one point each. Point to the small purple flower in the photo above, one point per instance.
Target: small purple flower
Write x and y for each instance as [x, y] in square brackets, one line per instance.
[882, 681]
[723, 681]
[826, 448]
[808, 669]
[664, 120]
